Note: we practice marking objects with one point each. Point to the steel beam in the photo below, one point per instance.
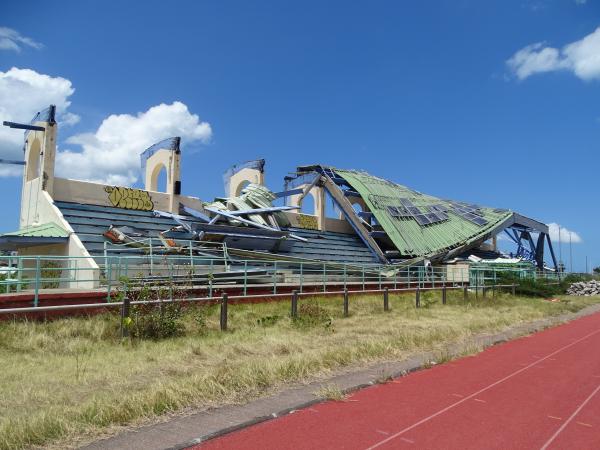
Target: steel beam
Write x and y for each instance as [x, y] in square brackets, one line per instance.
[351, 216]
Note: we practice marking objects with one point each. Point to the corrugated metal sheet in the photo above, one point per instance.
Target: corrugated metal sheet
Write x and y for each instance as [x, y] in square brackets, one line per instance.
[408, 236]
[44, 230]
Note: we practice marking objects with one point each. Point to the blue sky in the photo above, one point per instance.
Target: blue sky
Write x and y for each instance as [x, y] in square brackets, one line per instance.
[496, 103]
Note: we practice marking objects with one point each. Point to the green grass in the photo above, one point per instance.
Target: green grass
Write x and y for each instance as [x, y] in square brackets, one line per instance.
[73, 379]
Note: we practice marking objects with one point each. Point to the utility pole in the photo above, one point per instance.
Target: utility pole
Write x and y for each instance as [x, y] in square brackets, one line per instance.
[571, 250]
[560, 264]
[586, 264]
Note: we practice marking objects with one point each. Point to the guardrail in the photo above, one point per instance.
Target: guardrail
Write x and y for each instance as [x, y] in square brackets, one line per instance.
[224, 300]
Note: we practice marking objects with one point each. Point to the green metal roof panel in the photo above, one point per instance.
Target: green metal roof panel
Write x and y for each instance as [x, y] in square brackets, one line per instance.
[50, 229]
[408, 236]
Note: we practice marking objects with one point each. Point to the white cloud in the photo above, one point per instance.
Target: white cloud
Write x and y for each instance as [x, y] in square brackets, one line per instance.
[565, 234]
[111, 153]
[580, 57]
[13, 40]
[23, 92]
[580, 2]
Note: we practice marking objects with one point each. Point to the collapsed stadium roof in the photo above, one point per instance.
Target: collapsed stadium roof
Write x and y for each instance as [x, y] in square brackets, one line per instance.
[399, 222]
[395, 224]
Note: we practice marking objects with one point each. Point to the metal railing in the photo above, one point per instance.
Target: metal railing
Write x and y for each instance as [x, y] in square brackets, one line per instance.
[207, 273]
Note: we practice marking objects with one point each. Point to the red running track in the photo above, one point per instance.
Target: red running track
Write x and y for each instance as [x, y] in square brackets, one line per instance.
[537, 392]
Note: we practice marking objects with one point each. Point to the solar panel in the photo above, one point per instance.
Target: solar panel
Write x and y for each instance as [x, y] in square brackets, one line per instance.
[398, 212]
[433, 217]
[470, 214]
[438, 207]
[422, 219]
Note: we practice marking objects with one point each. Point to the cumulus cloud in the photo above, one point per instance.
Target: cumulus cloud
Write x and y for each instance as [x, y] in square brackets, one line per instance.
[581, 57]
[23, 92]
[565, 234]
[13, 40]
[111, 153]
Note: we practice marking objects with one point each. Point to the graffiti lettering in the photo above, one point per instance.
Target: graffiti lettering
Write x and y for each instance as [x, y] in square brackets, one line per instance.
[128, 198]
[308, 222]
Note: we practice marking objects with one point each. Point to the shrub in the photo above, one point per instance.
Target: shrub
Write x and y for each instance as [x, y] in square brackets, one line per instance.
[312, 314]
[156, 321]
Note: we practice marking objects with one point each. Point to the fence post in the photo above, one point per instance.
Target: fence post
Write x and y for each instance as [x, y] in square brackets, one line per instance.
[494, 289]
[294, 312]
[191, 259]
[363, 278]
[151, 259]
[465, 292]
[245, 278]
[483, 291]
[444, 295]
[418, 297]
[514, 289]
[275, 277]
[324, 277]
[386, 303]
[345, 302]
[170, 280]
[224, 312]
[19, 273]
[210, 280]
[124, 315]
[37, 281]
[301, 276]
[108, 279]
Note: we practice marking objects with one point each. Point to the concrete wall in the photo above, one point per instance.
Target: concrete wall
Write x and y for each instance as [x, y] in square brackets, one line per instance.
[99, 194]
[243, 177]
[43, 211]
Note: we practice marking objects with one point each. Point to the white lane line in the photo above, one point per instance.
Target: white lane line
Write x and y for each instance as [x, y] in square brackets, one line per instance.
[564, 425]
[410, 441]
[475, 394]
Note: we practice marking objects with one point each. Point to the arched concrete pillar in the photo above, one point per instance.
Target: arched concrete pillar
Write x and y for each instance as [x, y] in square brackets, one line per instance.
[318, 195]
[38, 172]
[242, 178]
[170, 160]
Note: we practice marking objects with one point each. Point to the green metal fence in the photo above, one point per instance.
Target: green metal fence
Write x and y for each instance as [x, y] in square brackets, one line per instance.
[209, 272]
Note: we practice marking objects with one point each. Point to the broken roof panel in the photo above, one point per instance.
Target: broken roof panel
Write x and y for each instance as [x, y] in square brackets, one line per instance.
[417, 235]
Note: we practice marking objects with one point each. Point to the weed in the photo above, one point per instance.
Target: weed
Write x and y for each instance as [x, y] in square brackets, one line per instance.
[383, 377]
[267, 321]
[331, 392]
[311, 314]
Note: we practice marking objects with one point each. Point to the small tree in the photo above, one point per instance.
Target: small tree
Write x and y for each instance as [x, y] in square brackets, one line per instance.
[596, 269]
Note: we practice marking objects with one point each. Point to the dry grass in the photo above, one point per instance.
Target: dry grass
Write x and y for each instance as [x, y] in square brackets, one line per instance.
[74, 378]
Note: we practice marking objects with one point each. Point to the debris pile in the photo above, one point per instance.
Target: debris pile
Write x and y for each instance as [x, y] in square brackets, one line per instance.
[584, 288]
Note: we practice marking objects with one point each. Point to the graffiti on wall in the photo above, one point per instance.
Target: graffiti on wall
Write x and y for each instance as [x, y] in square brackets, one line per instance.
[308, 222]
[129, 198]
